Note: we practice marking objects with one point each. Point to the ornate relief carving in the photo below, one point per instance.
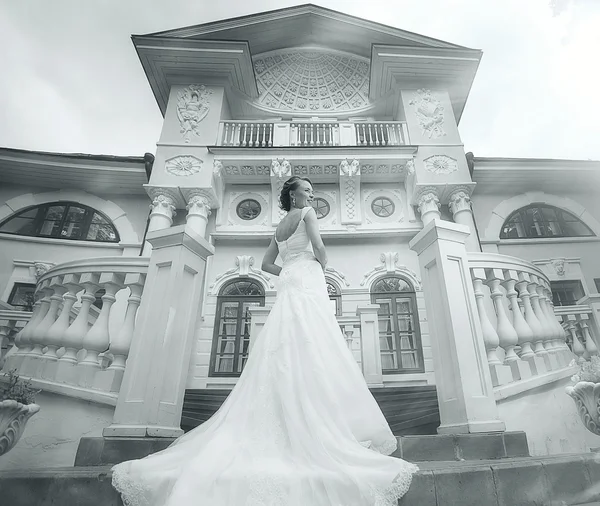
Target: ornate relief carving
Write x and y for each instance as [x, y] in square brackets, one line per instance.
[350, 168]
[163, 204]
[337, 276]
[410, 167]
[185, 165]
[281, 167]
[350, 189]
[309, 80]
[440, 164]
[559, 266]
[192, 107]
[41, 268]
[389, 264]
[208, 193]
[330, 169]
[430, 114]
[217, 167]
[198, 205]
[244, 266]
[460, 200]
[428, 200]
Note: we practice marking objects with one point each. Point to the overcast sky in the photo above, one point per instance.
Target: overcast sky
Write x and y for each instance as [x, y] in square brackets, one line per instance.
[70, 80]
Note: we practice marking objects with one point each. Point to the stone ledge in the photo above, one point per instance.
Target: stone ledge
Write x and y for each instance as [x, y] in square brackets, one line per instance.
[518, 387]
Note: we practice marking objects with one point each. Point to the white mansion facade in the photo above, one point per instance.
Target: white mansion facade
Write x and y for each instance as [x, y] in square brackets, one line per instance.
[477, 275]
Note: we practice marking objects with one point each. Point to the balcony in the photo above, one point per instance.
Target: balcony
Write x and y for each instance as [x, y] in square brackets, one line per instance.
[258, 134]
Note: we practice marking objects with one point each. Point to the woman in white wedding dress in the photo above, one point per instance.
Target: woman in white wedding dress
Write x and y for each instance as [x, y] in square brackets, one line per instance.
[300, 428]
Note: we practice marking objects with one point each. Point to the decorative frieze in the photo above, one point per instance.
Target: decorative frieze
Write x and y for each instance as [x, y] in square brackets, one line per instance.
[193, 104]
[185, 165]
[350, 167]
[440, 164]
[281, 167]
[429, 112]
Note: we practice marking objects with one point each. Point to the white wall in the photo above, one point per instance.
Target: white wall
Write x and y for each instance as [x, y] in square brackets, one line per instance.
[52, 435]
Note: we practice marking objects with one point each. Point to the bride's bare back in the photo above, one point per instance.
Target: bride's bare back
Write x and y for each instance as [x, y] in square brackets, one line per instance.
[288, 225]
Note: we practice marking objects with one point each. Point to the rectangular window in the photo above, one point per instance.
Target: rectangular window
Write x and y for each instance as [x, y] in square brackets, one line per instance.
[597, 283]
[22, 296]
[566, 293]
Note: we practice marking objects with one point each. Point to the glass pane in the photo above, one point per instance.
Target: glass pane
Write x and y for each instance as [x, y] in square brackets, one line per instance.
[18, 225]
[407, 341]
[50, 228]
[409, 359]
[389, 361]
[72, 230]
[100, 232]
[387, 342]
[224, 364]
[405, 323]
[54, 213]
[229, 309]
[75, 214]
[391, 285]
[403, 306]
[385, 306]
[97, 218]
[576, 228]
[22, 296]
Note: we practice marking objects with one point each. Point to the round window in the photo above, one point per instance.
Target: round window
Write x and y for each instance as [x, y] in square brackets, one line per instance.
[321, 207]
[248, 209]
[382, 207]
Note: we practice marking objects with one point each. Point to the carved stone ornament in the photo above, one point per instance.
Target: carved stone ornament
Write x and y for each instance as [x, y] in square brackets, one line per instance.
[281, 167]
[163, 204]
[429, 112]
[459, 201]
[198, 205]
[559, 266]
[41, 268]
[336, 275]
[185, 165]
[244, 266]
[587, 399]
[192, 107]
[428, 201]
[440, 164]
[13, 418]
[217, 167]
[350, 168]
[389, 264]
[410, 167]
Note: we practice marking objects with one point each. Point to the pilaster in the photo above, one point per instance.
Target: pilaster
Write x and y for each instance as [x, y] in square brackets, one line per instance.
[351, 207]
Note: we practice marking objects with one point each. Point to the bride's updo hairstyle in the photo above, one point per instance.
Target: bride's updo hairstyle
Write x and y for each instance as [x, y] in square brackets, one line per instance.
[285, 202]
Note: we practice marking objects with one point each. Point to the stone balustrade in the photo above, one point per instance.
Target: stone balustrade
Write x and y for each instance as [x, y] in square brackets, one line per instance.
[253, 134]
[11, 323]
[350, 327]
[580, 328]
[522, 334]
[67, 339]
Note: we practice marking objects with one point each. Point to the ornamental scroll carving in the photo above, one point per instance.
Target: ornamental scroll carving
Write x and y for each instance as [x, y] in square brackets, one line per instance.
[430, 114]
[192, 107]
[185, 165]
[244, 266]
[350, 168]
[281, 167]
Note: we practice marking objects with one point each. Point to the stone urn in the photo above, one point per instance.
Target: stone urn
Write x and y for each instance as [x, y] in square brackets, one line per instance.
[13, 418]
[587, 398]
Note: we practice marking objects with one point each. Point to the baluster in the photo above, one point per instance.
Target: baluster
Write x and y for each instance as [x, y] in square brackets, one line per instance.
[404, 128]
[539, 349]
[526, 294]
[311, 133]
[393, 134]
[55, 334]
[271, 133]
[257, 133]
[590, 345]
[335, 135]
[29, 331]
[329, 134]
[6, 328]
[226, 134]
[507, 335]
[576, 346]
[97, 339]
[541, 314]
[527, 352]
[378, 134]
[349, 332]
[490, 337]
[321, 137]
[243, 138]
[22, 345]
[357, 133]
[263, 139]
[110, 379]
[304, 135]
[36, 336]
[75, 334]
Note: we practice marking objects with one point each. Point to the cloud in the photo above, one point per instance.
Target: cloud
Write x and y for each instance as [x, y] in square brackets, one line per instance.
[72, 80]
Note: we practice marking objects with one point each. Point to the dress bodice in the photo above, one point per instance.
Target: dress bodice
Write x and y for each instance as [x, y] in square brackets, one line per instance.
[298, 244]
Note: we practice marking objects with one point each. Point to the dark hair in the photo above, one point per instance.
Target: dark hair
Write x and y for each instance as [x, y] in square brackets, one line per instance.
[290, 185]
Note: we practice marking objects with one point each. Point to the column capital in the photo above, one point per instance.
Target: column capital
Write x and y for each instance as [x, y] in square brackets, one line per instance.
[428, 202]
[209, 194]
[460, 200]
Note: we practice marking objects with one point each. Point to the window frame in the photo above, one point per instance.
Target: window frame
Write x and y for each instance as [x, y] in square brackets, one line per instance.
[540, 207]
[395, 296]
[572, 285]
[13, 292]
[39, 219]
[337, 297]
[240, 299]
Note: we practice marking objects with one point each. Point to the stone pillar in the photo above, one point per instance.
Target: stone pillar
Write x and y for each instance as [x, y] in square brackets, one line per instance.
[151, 396]
[369, 342]
[198, 208]
[350, 192]
[428, 204]
[162, 211]
[463, 381]
[460, 207]
[258, 318]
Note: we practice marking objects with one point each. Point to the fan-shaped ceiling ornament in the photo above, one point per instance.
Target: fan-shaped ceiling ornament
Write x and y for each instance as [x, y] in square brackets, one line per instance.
[312, 81]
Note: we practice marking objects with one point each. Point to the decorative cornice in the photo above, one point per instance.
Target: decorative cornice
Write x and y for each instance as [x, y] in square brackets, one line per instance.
[244, 266]
[208, 194]
[336, 276]
[389, 265]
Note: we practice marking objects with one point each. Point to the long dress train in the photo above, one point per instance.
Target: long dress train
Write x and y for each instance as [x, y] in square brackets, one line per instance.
[300, 428]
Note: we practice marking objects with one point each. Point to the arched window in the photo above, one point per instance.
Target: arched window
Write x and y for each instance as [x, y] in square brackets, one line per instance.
[61, 220]
[541, 220]
[335, 296]
[399, 332]
[232, 326]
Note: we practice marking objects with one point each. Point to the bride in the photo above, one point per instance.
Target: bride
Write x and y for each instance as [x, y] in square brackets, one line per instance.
[300, 428]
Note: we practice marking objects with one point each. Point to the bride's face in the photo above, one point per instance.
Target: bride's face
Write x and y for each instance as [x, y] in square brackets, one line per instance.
[303, 194]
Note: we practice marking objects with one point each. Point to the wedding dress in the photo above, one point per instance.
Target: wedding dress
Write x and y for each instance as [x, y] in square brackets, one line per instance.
[300, 428]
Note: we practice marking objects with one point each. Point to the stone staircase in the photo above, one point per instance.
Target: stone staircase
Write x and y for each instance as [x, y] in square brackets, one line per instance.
[475, 469]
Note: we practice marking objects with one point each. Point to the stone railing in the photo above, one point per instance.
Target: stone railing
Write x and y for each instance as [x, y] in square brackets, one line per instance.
[256, 134]
[521, 333]
[11, 323]
[72, 347]
[577, 321]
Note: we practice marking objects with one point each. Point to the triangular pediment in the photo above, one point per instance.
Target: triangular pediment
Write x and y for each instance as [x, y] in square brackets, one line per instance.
[306, 25]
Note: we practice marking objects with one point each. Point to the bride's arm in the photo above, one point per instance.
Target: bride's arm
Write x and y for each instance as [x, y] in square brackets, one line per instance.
[268, 263]
[312, 229]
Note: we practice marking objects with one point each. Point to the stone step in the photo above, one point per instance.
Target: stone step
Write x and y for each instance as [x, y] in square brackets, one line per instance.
[96, 451]
[562, 480]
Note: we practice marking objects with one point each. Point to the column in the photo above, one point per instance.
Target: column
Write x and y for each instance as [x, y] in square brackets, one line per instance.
[463, 381]
[151, 397]
[351, 206]
[428, 204]
[369, 343]
[460, 207]
[162, 212]
[198, 208]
